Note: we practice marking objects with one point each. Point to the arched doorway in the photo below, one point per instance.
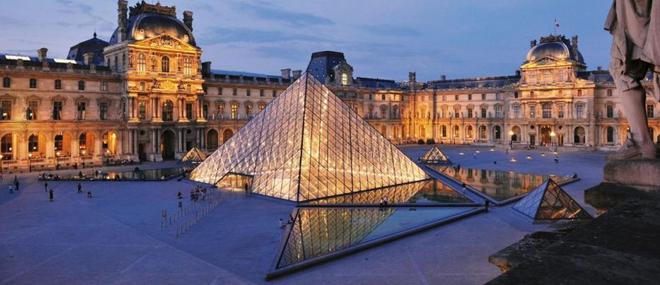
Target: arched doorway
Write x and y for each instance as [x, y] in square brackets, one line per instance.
[109, 143]
[212, 139]
[168, 144]
[579, 135]
[515, 134]
[546, 139]
[482, 133]
[226, 135]
[610, 135]
[6, 147]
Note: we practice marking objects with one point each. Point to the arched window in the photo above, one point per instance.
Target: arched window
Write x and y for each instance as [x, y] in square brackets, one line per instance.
[515, 134]
[6, 147]
[444, 131]
[33, 143]
[482, 132]
[344, 79]
[141, 63]
[165, 64]
[456, 134]
[168, 111]
[610, 135]
[59, 142]
[497, 132]
[468, 133]
[82, 141]
[212, 139]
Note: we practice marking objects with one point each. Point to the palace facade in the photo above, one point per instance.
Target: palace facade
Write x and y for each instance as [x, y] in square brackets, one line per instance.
[145, 95]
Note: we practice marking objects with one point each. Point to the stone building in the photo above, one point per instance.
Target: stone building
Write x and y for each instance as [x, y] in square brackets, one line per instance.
[146, 95]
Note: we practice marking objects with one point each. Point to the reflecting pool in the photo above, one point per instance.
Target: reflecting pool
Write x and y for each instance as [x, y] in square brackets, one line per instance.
[160, 174]
[426, 192]
[321, 231]
[498, 184]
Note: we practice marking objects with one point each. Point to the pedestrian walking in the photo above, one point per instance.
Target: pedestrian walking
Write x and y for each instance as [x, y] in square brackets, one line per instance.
[45, 186]
[79, 188]
[16, 183]
[179, 195]
[486, 204]
[247, 190]
[50, 195]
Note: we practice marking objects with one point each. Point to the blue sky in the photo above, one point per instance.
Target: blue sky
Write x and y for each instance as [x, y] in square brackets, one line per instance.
[381, 38]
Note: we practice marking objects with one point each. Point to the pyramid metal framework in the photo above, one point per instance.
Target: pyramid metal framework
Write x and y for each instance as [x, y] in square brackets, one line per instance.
[308, 144]
[194, 155]
[549, 202]
[434, 156]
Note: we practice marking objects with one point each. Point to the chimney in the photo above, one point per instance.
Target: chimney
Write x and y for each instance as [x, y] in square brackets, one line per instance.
[443, 77]
[88, 58]
[517, 72]
[286, 73]
[42, 54]
[296, 74]
[412, 80]
[574, 44]
[532, 43]
[122, 18]
[188, 19]
[206, 69]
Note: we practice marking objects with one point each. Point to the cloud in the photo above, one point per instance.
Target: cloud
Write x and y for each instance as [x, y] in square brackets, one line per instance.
[390, 30]
[250, 35]
[269, 11]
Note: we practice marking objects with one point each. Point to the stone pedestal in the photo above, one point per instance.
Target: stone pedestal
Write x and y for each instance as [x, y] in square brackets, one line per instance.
[643, 174]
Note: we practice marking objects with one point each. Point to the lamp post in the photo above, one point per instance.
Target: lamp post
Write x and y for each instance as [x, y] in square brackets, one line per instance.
[29, 162]
[84, 152]
[57, 160]
[1, 158]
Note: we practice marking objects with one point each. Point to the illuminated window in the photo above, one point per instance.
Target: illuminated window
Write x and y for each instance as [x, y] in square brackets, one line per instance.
[33, 143]
[262, 106]
[59, 142]
[142, 111]
[82, 141]
[234, 111]
[546, 109]
[532, 111]
[5, 110]
[31, 112]
[187, 66]
[248, 109]
[561, 111]
[344, 79]
[165, 64]
[6, 147]
[649, 111]
[141, 63]
[221, 110]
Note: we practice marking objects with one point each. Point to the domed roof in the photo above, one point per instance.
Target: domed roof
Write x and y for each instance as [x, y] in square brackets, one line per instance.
[150, 25]
[553, 50]
[94, 45]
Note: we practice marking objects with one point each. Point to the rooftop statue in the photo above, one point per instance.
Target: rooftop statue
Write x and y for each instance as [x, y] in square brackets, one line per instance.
[635, 28]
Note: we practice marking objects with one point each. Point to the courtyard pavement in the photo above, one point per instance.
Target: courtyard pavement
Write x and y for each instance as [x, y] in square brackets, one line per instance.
[116, 237]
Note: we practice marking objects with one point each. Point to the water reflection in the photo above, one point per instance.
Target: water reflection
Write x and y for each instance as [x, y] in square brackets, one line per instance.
[320, 231]
[423, 192]
[497, 184]
[135, 175]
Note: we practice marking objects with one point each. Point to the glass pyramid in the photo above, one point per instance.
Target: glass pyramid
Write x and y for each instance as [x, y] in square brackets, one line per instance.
[308, 144]
[550, 202]
[194, 155]
[435, 156]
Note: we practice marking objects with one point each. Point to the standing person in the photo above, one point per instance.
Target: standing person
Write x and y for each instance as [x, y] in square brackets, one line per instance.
[50, 195]
[16, 183]
[89, 194]
[247, 189]
[79, 188]
[46, 186]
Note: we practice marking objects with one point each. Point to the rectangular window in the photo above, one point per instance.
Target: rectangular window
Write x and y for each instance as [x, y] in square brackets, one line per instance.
[455, 97]
[5, 110]
[234, 92]
[234, 111]
[532, 111]
[516, 111]
[649, 111]
[498, 111]
[205, 111]
[261, 93]
[469, 113]
[189, 111]
[547, 111]
[58, 84]
[6, 82]
[81, 110]
[483, 96]
[469, 96]
[483, 112]
[248, 92]
[33, 83]
[57, 110]
[579, 111]
[32, 110]
[103, 111]
[274, 93]
[142, 111]
[219, 91]
[104, 86]
[560, 114]
[81, 85]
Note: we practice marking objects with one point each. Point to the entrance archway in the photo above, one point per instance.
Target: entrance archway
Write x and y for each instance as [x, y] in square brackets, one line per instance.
[579, 135]
[212, 140]
[546, 139]
[226, 135]
[168, 144]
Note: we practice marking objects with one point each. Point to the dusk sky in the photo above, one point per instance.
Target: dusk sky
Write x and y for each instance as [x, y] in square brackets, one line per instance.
[381, 38]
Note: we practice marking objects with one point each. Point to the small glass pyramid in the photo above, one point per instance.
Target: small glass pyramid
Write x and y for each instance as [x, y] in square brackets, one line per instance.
[435, 156]
[308, 144]
[550, 202]
[194, 155]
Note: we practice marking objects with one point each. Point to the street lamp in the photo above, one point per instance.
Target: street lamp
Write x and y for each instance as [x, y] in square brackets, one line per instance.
[29, 162]
[84, 152]
[1, 157]
[57, 160]
[552, 137]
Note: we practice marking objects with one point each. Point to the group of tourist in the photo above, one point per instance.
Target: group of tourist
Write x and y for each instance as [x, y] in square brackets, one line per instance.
[14, 186]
